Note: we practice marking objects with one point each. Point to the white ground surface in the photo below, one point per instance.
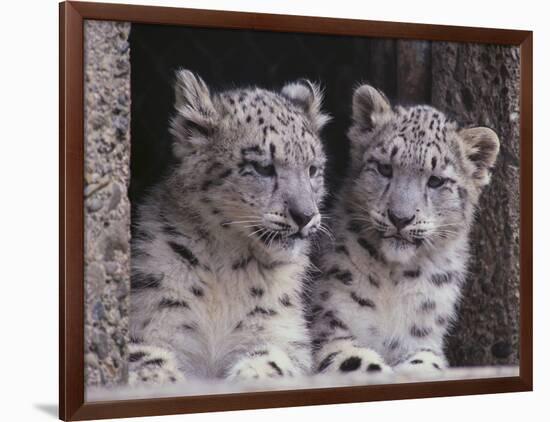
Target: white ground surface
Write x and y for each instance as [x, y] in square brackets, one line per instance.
[200, 387]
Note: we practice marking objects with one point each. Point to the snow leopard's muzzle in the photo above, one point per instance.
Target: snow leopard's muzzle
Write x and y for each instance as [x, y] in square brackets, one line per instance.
[294, 214]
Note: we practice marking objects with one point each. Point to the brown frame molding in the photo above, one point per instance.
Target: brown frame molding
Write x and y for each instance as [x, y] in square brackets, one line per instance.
[71, 205]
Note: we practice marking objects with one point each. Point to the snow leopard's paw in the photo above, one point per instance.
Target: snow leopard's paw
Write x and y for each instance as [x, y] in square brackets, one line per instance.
[263, 363]
[152, 365]
[352, 359]
[424, 361]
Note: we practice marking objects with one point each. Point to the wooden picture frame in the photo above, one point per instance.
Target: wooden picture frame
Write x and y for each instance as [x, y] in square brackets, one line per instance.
[71, 205]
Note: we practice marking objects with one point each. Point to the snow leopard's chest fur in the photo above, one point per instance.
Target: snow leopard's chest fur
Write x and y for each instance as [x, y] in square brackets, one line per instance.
[210, 309]
[390, 308]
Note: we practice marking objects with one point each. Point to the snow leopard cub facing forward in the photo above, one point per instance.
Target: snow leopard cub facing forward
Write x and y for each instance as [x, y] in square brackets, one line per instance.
[393, 276]
[221, 245]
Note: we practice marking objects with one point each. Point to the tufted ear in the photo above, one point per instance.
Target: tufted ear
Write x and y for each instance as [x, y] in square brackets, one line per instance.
[369, 107]
[196, 117]
[309, 97]
[481, 146]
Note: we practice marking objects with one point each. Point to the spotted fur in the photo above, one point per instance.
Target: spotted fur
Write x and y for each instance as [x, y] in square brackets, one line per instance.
[392, 278]
[220, 246]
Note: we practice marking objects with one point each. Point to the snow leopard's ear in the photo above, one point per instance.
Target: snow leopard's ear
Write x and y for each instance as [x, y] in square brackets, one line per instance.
[481, 146]
[370, 107]
[308, 96]
[196, 117]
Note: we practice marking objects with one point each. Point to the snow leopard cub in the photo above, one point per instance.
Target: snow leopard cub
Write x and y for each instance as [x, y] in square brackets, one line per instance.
[393, 276]
[221, 246]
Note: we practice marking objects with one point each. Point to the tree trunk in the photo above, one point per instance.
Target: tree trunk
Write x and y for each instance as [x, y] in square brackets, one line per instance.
[479, 85]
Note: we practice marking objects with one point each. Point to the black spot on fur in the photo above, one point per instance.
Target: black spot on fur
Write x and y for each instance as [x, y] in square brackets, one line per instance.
[187, 327]
[258, 310]
[362, 301]
[285, 300]
[262, 352]
[327, 361]
[256, 291]
[185, 254]
[394, 344]
[197, 291]
[374, 367]
[324, 295]
[345, 277]
[373, 281]
[441, 279]
[412, 273]
[276, 367]
[167, 303]
[416, 361]
[336, 323]
[428, 305]
[350, 364]
[146, 281]
[134, 357]
[420, 331]
[155, 362]
[364, 243]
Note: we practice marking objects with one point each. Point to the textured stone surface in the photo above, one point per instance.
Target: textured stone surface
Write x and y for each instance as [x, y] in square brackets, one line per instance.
[107, 209]
[479, 85]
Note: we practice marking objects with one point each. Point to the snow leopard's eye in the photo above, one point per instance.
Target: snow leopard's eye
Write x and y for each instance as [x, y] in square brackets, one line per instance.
[313, 171]
[265, 171]
[385, 170]
[435, 182]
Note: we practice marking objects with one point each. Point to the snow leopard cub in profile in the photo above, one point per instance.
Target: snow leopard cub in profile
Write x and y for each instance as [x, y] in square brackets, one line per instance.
[393, 276]
[221, 245]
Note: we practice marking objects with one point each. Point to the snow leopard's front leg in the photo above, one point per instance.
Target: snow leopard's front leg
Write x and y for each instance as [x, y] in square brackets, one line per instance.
[336, 349]
[264, 362]
[280, 342]
[149, 364]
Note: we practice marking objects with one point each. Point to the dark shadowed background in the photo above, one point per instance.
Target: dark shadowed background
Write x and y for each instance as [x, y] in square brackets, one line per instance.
[476, 84]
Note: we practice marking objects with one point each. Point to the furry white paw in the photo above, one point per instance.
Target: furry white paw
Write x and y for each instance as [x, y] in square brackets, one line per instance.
[263, 364]
[152, 365]
[352, 359]
[424, 361]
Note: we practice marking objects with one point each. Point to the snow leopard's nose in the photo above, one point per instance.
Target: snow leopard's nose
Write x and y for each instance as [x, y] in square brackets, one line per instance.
[398, 221]
[301, 218]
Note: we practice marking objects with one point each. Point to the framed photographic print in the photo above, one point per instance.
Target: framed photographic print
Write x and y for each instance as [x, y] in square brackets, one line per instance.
[267, 210]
